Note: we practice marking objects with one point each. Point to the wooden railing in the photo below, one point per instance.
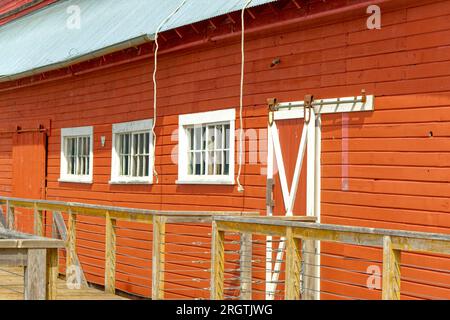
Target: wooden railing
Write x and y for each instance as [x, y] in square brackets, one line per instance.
[38, 256]
[392, 242]
[295, 232]
[111, 214]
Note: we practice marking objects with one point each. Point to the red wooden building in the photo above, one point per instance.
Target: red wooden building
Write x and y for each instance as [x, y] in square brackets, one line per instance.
[77, 108]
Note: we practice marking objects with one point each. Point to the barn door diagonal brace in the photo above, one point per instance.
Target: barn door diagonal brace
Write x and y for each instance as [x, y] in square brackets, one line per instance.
[289, 194]
[310, 110]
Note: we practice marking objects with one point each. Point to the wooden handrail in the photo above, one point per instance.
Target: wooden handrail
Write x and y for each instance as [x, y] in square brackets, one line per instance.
[393, 242]
[119, 213]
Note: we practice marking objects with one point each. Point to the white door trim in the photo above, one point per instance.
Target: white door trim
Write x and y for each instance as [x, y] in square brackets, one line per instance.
[311, 142]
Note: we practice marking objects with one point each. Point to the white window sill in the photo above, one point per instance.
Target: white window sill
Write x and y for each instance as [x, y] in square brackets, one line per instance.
[130, 181]
[206, 181]
[75, 180]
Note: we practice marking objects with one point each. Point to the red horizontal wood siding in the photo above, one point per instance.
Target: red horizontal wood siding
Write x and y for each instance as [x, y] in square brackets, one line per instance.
[13, 9]
[398, 155]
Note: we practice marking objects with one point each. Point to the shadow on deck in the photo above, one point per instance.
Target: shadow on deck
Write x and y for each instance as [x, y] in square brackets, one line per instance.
[12, 288]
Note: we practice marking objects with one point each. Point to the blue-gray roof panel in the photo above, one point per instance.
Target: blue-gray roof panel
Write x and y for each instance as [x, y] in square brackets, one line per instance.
[43, 38]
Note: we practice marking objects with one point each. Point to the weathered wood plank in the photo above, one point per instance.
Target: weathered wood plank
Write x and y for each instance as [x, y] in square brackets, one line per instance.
[246, 266]
[289, 218]
[110, 255]
[217, 263]
[10, 216]
[13, 257]
[293, 265]
[12, 280]
[309, 273]
[52, 271]
[35, 275]
[118, 213]
[38, 222]
[31, 243]
[72, 263]
[391, 271]
[62, 230]
[401, 240]
[254, 228]
[2, 218]
[60, 225]
[159, 236]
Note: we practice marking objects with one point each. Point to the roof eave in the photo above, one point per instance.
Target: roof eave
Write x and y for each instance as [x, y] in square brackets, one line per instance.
[81, 58]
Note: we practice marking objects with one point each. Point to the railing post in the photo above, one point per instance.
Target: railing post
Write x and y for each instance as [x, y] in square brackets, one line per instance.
[2, 218]
[71, 242]
[293, 265]
[10, 215]
[309, 271]
[52, 273]
[35, 284]
[217, 262]
[110, 255]
[38, 222]
[246, 266]
[391, 271]
[159, 240]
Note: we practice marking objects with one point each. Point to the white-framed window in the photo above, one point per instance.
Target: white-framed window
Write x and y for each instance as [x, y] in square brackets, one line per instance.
[206, 147]
[77, 156]
[132, 147]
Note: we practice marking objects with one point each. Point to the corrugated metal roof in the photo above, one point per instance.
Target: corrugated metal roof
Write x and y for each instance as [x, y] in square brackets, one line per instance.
[43, 40]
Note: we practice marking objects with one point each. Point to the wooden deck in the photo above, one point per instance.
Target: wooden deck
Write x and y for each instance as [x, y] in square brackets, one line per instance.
[11, 288]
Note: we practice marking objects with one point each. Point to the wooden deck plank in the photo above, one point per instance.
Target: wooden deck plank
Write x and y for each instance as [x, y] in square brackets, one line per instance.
[11, 288]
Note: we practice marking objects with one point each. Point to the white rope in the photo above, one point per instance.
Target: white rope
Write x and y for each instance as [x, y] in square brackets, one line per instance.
[241, 97]
[155, 87]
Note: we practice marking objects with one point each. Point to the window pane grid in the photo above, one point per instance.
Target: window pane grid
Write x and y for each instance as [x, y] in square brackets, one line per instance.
[134, 154]
[77, 154]
[208, 151]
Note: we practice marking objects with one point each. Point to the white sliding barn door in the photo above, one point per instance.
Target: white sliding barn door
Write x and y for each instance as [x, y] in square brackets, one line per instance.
[293, 168]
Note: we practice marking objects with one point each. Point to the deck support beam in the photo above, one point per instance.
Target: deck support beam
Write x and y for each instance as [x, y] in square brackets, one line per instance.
[110, 255]
[38, 222]
[73, 272]
[246, 266]
[159, 240]
[10, 216]
[293, 266]
[391, 271]
[35, 275]
[310, 270]
[52, 273]
[217, 263]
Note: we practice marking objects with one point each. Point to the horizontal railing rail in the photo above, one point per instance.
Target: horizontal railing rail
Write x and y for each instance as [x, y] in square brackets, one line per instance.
[393, 242]
[119, 213]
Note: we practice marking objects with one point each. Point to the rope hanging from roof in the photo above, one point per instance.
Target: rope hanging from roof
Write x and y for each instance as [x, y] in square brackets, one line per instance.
[241, 94]
[241, 97]
[155, 87]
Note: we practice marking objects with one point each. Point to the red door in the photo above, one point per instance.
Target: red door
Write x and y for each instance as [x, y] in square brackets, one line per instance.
[28, 173]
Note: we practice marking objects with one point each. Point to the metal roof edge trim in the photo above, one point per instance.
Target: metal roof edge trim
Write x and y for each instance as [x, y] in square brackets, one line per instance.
[17, 10]
[81, 58]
